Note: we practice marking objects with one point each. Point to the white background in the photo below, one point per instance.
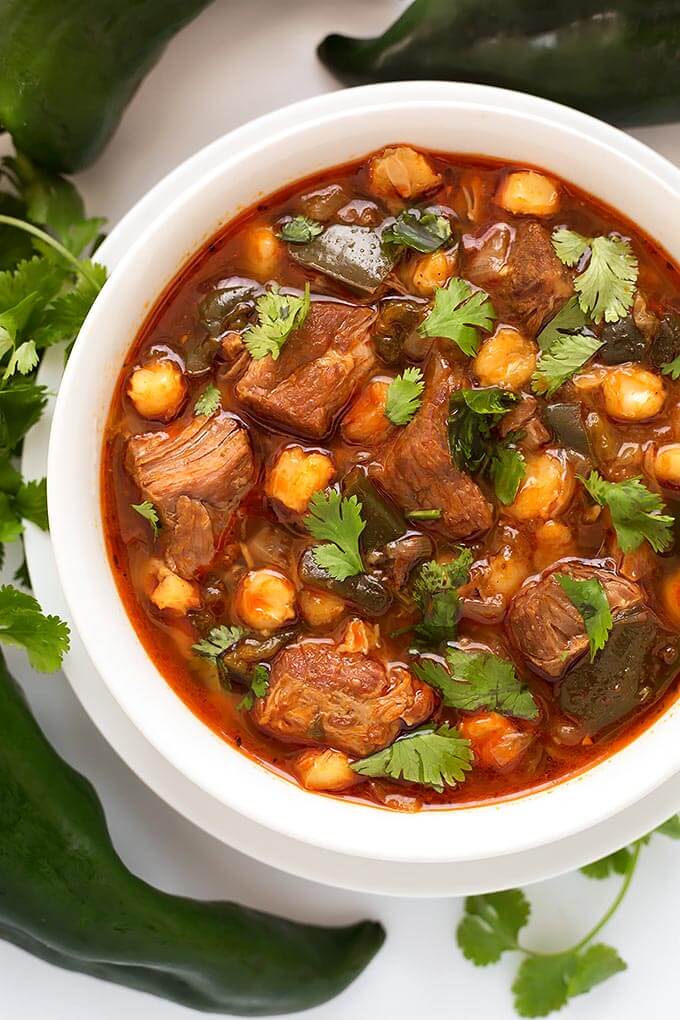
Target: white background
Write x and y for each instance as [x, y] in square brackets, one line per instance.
[234, 63]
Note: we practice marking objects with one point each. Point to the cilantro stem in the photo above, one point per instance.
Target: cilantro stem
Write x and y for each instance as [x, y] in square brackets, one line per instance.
[29, 228]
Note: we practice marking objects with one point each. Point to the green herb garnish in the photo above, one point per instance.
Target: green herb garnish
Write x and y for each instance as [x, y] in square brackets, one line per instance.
[279, 315]
[636, 512]
[478, 680]
[218, 641]
[672, 368]
[209, 401]
[433, 514]
[148, 511]
[473, 417]
[589, 597]
[422, 231]
[259, 685]
[338, 522]
[300, 230]
[606, 287]
[22, 623]
[428, 756]
[558, 364]
[404, 396]
[435, 593]
[458, 313]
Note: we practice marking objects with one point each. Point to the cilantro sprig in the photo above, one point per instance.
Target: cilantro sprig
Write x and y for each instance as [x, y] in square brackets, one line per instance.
[22, 623]
[589, 597]
[148, 511]
[338, 522]
[209, 401]
[545, 982]
[404, 396]
[259, 685]
[562, 360]
[672, 368]
[636, 512]
[219, 640]
[476, 448]
[458, 314]
[435, 593]
[278, 315]
[478, 680]
[419, 230]
[435, 757]
[300, 230]
[606, 287]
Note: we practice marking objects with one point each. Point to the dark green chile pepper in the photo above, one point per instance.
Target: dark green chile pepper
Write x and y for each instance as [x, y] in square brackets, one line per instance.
[365, 591]
[396, 322]
[616, 59]
[229, 305]
[634, 668]
[66, 897]
[566, 422]
[666, 344]
[70, 67]
[240, 660]
[352, 255]
[384, 522]
[621, 341]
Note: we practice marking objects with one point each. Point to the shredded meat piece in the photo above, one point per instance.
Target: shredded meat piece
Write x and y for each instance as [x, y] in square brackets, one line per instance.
[518, 266]
[195, 476]
[319, 369]
[524, 418]
[319, 696]
[546, 626]
[417, 470]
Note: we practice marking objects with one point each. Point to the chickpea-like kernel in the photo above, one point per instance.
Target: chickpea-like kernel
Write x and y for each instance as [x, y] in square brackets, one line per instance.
[505, 573]
[670, 597]
[403, 172]
[506, 359]
[265, 599]
[263, 251]
[496, 741]
[529, 193]
[296, 475]
[366, 421]
[431, 271]
[632, 393]
[157, 389]
[546, 489]
[667, 464]
[320, 608]
[325, 770]
[553, 541]
[175, 595]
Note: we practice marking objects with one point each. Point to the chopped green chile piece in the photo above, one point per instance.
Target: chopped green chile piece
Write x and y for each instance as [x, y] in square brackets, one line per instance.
[666, 344]
[365, 591]
[384, 522]
[228, 306]
[566, 422]
[621, 341]
[240, 660]
[200, 354]
[396, 323]
[352, 255]
[637, 663]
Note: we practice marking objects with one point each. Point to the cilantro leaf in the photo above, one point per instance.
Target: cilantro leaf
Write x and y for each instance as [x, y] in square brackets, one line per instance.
[616, 863]
[259, 685]
[473, 415]
[606, 287]
[588, 595]
[491, 924]
[562, 360]
[670, 828]
[23, 360]
[68, 312]
[479, 680]
[219, 640]
[278, 316]
[209, 401]
[31, 502]
[45, 638]
[435, 593]
[10, 519]
[459, 312]
[300, 230]
[570, 319]
[421, 231]
[508, 468]
[635, 512]
[594, 965]
[21, 405]
[148, 511]
[542, 984]
[672, 368]
[403, 396]
[337, 521]
[431, 757]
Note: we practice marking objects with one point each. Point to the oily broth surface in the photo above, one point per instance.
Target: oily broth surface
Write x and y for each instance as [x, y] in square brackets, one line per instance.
[172, 324]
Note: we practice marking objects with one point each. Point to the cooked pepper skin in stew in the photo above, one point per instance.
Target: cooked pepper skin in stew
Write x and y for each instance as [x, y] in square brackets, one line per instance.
[355, 506]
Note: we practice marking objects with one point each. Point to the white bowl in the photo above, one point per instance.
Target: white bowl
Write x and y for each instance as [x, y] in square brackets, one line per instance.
[456, 118]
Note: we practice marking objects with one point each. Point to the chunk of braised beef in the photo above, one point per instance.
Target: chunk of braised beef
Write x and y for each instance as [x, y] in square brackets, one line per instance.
[518, 267]
[195, 475]
[320, 696]
[621, 341]
[524, 420]
[546, 626]
[320, 367]
[417, 469]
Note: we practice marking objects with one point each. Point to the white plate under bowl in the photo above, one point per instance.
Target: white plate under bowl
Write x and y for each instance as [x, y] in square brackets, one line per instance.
[208, 811]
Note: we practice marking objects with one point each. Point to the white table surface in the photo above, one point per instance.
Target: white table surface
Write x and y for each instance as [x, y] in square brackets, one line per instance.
[235, 62]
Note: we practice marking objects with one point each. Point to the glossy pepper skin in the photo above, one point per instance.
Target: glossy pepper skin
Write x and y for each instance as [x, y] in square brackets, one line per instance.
[68, 69]
[616, 59]
[66, 897]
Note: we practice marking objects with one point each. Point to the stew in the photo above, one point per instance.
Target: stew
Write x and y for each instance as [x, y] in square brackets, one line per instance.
[390, 477]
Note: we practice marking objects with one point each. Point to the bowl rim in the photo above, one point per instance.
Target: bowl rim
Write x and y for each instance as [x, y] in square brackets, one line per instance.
[461, 833]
